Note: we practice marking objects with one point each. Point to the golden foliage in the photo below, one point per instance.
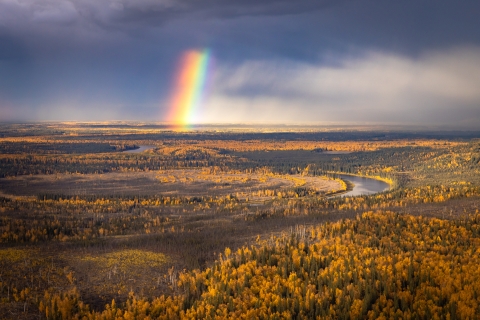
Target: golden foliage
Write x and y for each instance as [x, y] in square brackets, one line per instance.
[126, 259]
[379, 265]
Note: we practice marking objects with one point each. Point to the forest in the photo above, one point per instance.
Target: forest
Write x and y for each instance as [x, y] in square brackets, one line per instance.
[240, 223]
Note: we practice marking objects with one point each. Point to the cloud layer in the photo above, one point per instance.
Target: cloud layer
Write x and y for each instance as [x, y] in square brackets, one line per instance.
[435, 88]
[277, 60]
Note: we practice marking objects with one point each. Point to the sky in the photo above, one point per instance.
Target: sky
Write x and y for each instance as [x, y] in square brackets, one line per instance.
[270, 61]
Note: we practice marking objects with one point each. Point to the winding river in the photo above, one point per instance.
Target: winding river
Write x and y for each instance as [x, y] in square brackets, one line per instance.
[139, 149]
[364, 186]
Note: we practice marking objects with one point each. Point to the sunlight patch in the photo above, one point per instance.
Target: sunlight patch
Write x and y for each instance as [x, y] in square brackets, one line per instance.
[15, 255]
[128, 259]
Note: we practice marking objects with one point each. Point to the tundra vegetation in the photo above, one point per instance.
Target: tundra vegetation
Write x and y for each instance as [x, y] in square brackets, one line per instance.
[236, 223]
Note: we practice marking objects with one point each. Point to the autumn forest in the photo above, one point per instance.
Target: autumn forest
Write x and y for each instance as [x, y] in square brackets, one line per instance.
[140, 221]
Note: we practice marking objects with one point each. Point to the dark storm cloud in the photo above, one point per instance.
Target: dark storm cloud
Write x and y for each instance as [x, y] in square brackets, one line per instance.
[155, 12]
[396, 24]
[116, 59]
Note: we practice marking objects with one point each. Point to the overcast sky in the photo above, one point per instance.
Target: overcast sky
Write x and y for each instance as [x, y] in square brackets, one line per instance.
[380, 62]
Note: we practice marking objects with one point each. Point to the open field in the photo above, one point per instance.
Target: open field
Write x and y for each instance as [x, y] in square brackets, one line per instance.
[187, 226]
[165, 182]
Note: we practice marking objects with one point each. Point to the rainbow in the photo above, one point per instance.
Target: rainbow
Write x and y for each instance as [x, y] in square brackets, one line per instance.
[190, 87]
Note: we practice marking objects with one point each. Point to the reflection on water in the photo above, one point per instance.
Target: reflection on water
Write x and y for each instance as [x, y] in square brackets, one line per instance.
[364, 186]
[140, 149]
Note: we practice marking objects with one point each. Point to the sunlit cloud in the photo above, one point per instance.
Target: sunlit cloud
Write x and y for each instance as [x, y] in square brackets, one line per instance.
[440, 87]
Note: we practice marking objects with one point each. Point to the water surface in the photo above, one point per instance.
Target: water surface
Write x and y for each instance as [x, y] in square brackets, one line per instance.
[364, 186]
[140, 149]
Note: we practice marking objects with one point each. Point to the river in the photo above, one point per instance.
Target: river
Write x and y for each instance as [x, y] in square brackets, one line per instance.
[363, 186]
[140, 149]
